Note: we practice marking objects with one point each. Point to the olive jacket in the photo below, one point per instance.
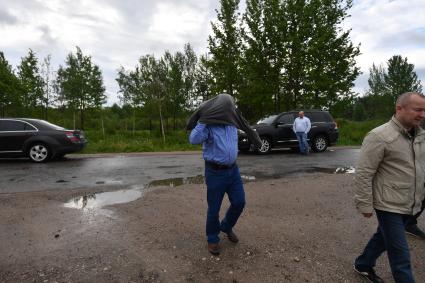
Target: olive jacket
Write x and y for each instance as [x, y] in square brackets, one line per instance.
[390, 173]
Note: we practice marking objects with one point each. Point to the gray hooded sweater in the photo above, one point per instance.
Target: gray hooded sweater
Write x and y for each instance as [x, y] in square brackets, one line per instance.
[222, 110]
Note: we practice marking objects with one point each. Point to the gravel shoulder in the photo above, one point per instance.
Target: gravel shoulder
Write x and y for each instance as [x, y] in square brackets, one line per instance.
[295, 229]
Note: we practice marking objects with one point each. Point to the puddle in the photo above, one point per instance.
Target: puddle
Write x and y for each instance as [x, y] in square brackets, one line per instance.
[345, 170]
[199, 179]
[248, 178]
[99, 200]
[175, 182]
[338, 170]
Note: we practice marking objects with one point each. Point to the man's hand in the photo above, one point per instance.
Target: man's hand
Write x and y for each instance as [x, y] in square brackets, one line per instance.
[367, 215]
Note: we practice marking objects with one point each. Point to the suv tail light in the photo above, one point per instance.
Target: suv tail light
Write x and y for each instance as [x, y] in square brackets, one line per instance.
[70, 135]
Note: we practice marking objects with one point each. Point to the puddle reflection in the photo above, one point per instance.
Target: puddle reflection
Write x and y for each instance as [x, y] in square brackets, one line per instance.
[99, 200]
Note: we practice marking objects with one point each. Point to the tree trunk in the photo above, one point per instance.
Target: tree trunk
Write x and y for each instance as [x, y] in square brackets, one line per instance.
[103, 125]
[82, 119]
[134, 119]
[162, 124]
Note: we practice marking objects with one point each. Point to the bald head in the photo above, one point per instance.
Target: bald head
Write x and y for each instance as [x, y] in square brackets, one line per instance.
[410, 109]
[405, 98]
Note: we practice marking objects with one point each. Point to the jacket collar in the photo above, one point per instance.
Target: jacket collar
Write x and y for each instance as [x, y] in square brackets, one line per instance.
[402, 130]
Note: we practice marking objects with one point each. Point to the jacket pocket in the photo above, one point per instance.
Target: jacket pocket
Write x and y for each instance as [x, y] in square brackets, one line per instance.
[396, 193]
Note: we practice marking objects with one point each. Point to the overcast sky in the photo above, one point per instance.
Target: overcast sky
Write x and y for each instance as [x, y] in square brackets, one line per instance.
[116, 33]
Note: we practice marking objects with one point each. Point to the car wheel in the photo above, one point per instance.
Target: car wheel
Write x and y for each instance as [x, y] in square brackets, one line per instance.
[319, 144]
[39, 152]
[266, 146]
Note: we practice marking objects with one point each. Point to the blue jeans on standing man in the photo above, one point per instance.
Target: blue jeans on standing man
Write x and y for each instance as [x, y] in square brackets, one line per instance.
[389, 237]
[219, 182]
[302, 140]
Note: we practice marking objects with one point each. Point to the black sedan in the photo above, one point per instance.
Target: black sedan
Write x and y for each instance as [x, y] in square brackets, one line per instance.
[37, 139]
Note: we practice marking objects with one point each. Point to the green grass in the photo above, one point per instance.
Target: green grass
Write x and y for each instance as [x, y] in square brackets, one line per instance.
[353, 132]
[139, 141]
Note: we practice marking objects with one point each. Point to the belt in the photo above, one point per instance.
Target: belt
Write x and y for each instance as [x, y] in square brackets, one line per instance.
[217, 166]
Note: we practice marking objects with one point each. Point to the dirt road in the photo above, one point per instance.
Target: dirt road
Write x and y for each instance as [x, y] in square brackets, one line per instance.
[295, 229]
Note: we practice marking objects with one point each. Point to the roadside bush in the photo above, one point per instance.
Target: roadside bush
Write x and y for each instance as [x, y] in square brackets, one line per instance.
[139, 141]
[353, 132]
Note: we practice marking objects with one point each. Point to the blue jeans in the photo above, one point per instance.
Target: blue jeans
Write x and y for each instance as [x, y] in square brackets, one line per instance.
[302, 140]
[218, 183]
[389, 237]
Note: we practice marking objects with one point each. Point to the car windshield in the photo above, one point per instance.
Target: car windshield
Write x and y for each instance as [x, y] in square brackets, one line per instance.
[267, 120]
[50, 125]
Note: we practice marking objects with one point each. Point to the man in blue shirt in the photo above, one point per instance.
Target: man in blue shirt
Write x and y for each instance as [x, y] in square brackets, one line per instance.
[301, 128]
[220, 150]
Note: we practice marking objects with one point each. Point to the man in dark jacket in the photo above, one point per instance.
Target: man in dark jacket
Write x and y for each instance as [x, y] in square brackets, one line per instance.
[216, 123]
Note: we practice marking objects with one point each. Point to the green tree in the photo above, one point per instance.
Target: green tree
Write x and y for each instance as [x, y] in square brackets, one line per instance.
[80, 83]
[31, 81]
[319, 67]
[331, 66]
[225, 47]
[131, 92]
[261, 62]
[386, 85]
[376, 81]
[203, 82]
[401, 77]
[10, 87]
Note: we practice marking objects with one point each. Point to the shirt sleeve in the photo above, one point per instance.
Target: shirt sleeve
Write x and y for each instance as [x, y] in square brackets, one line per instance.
[199, 134]
[308, 126]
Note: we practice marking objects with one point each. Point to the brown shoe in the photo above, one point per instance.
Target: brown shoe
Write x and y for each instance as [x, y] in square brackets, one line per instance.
[214, 248]
[232, 237]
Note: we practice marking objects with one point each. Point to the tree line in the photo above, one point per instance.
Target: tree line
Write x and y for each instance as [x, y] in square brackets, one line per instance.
[277, 55]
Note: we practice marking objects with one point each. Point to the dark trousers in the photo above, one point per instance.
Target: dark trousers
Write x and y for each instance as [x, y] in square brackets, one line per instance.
[389, 237]
[220, 182]
[413, 219]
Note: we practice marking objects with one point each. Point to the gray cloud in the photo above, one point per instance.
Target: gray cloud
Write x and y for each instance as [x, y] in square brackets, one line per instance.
[7, 18]
[409, 38]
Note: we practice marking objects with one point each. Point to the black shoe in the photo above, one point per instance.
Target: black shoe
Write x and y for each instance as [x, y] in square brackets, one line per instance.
[415, 231]
[369, 274]
[232, 237]
[214, 248]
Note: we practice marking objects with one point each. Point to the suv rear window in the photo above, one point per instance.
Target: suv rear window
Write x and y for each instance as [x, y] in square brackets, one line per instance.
[286, 119]
[318, 116]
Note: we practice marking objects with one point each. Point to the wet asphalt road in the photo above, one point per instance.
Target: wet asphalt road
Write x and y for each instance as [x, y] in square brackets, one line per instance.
[125, 170]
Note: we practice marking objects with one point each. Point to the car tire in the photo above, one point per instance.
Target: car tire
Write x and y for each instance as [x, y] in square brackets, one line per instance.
[320, 143]
[39, 152]
[266, 146]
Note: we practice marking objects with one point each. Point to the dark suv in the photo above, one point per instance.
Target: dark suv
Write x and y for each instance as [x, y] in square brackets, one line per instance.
[37, 139]
[276, 131]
